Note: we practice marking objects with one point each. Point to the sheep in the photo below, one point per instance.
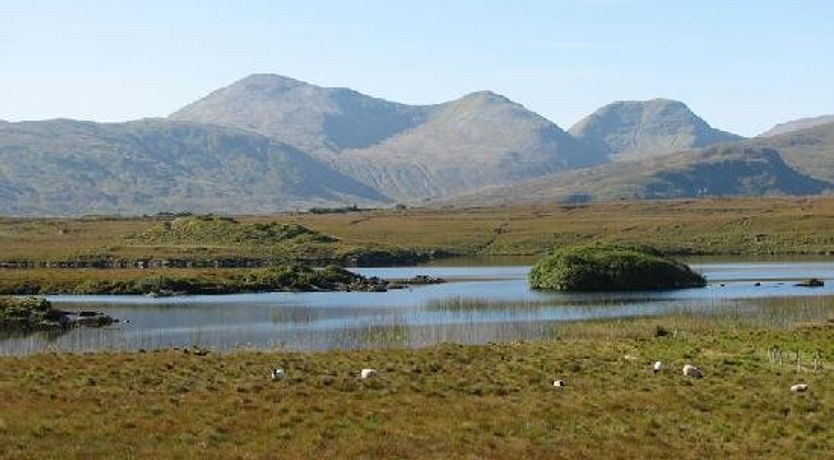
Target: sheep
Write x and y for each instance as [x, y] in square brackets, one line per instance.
[799, 388]
[559, 383]
[368, 373]
[657, 366]
[278, 374]
[692, 371]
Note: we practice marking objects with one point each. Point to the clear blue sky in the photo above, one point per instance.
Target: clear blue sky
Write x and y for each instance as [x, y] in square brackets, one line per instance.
[743, 65]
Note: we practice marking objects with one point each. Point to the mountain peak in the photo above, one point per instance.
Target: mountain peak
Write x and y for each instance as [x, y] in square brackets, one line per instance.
[267, 81]
[633, 129]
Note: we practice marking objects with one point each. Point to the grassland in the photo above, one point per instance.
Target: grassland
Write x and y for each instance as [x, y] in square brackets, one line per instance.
[711, 226]
[448, 401]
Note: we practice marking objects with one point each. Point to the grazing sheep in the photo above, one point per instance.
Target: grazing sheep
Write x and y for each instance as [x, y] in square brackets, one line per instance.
[559, 383]
[368, 373]
[799, 388]
[278, 374]
[657, 366]
[692, 371]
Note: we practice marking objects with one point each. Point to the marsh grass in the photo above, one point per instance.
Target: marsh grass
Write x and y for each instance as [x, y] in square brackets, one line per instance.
[445, 401]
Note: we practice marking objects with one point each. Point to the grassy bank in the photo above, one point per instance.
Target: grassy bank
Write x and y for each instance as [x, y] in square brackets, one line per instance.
[448, 401]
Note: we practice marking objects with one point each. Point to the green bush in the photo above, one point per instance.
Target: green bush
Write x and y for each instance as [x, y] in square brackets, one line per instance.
[611, 267]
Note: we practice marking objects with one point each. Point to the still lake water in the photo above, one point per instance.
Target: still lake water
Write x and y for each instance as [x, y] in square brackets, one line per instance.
[478, 304]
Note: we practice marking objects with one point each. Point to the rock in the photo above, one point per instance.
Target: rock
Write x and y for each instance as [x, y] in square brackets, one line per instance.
[559, 383]
[813, 282]
[425, 279]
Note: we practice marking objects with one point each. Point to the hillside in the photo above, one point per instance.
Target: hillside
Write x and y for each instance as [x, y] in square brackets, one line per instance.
[63, 167]
[639, 129]
[798, 125]
[479, 140]
[730, 170]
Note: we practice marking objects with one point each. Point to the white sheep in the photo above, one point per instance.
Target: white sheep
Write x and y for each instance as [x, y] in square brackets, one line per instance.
[558, 383]
[691, 371]
[368, 373]
[657, 367]
[278, 374]
[799, 388]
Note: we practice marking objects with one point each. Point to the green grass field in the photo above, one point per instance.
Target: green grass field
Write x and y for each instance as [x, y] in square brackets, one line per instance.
[448, 401]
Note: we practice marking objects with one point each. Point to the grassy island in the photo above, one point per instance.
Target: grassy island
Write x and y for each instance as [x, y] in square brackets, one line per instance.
[611, 267]
[166, 282]
[35, 314]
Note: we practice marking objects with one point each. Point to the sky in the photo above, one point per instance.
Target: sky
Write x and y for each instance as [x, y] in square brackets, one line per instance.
[743, 65]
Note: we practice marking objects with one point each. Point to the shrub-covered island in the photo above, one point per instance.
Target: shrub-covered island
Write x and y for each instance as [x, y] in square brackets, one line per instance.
[611, 267]
[36, 314]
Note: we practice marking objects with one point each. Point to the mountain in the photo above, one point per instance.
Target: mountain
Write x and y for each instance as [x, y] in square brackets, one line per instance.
[797, 125]
[640, 129]
[64, 167]
[479, 140]
[725, 170]
[406, 152]
[318, 120]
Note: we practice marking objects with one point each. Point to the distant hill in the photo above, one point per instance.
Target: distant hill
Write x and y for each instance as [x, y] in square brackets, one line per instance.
[727, 170]
[810, 151]
[64, 167]
[318, 120]
[798, 125]
[478, 140]
[406, 152]
[640, 129]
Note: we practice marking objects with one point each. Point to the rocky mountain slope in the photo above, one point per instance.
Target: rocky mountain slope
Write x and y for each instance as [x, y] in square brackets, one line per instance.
[64, 167]
[639, 129]
[479, 140]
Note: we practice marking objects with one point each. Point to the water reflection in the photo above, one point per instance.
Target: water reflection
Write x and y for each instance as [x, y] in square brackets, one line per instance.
[478, 305]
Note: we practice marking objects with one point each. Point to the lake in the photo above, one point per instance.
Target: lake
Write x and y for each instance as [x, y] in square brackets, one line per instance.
[478, 304]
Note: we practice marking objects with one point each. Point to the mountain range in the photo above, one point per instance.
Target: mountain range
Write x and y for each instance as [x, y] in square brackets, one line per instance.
[268, 143]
